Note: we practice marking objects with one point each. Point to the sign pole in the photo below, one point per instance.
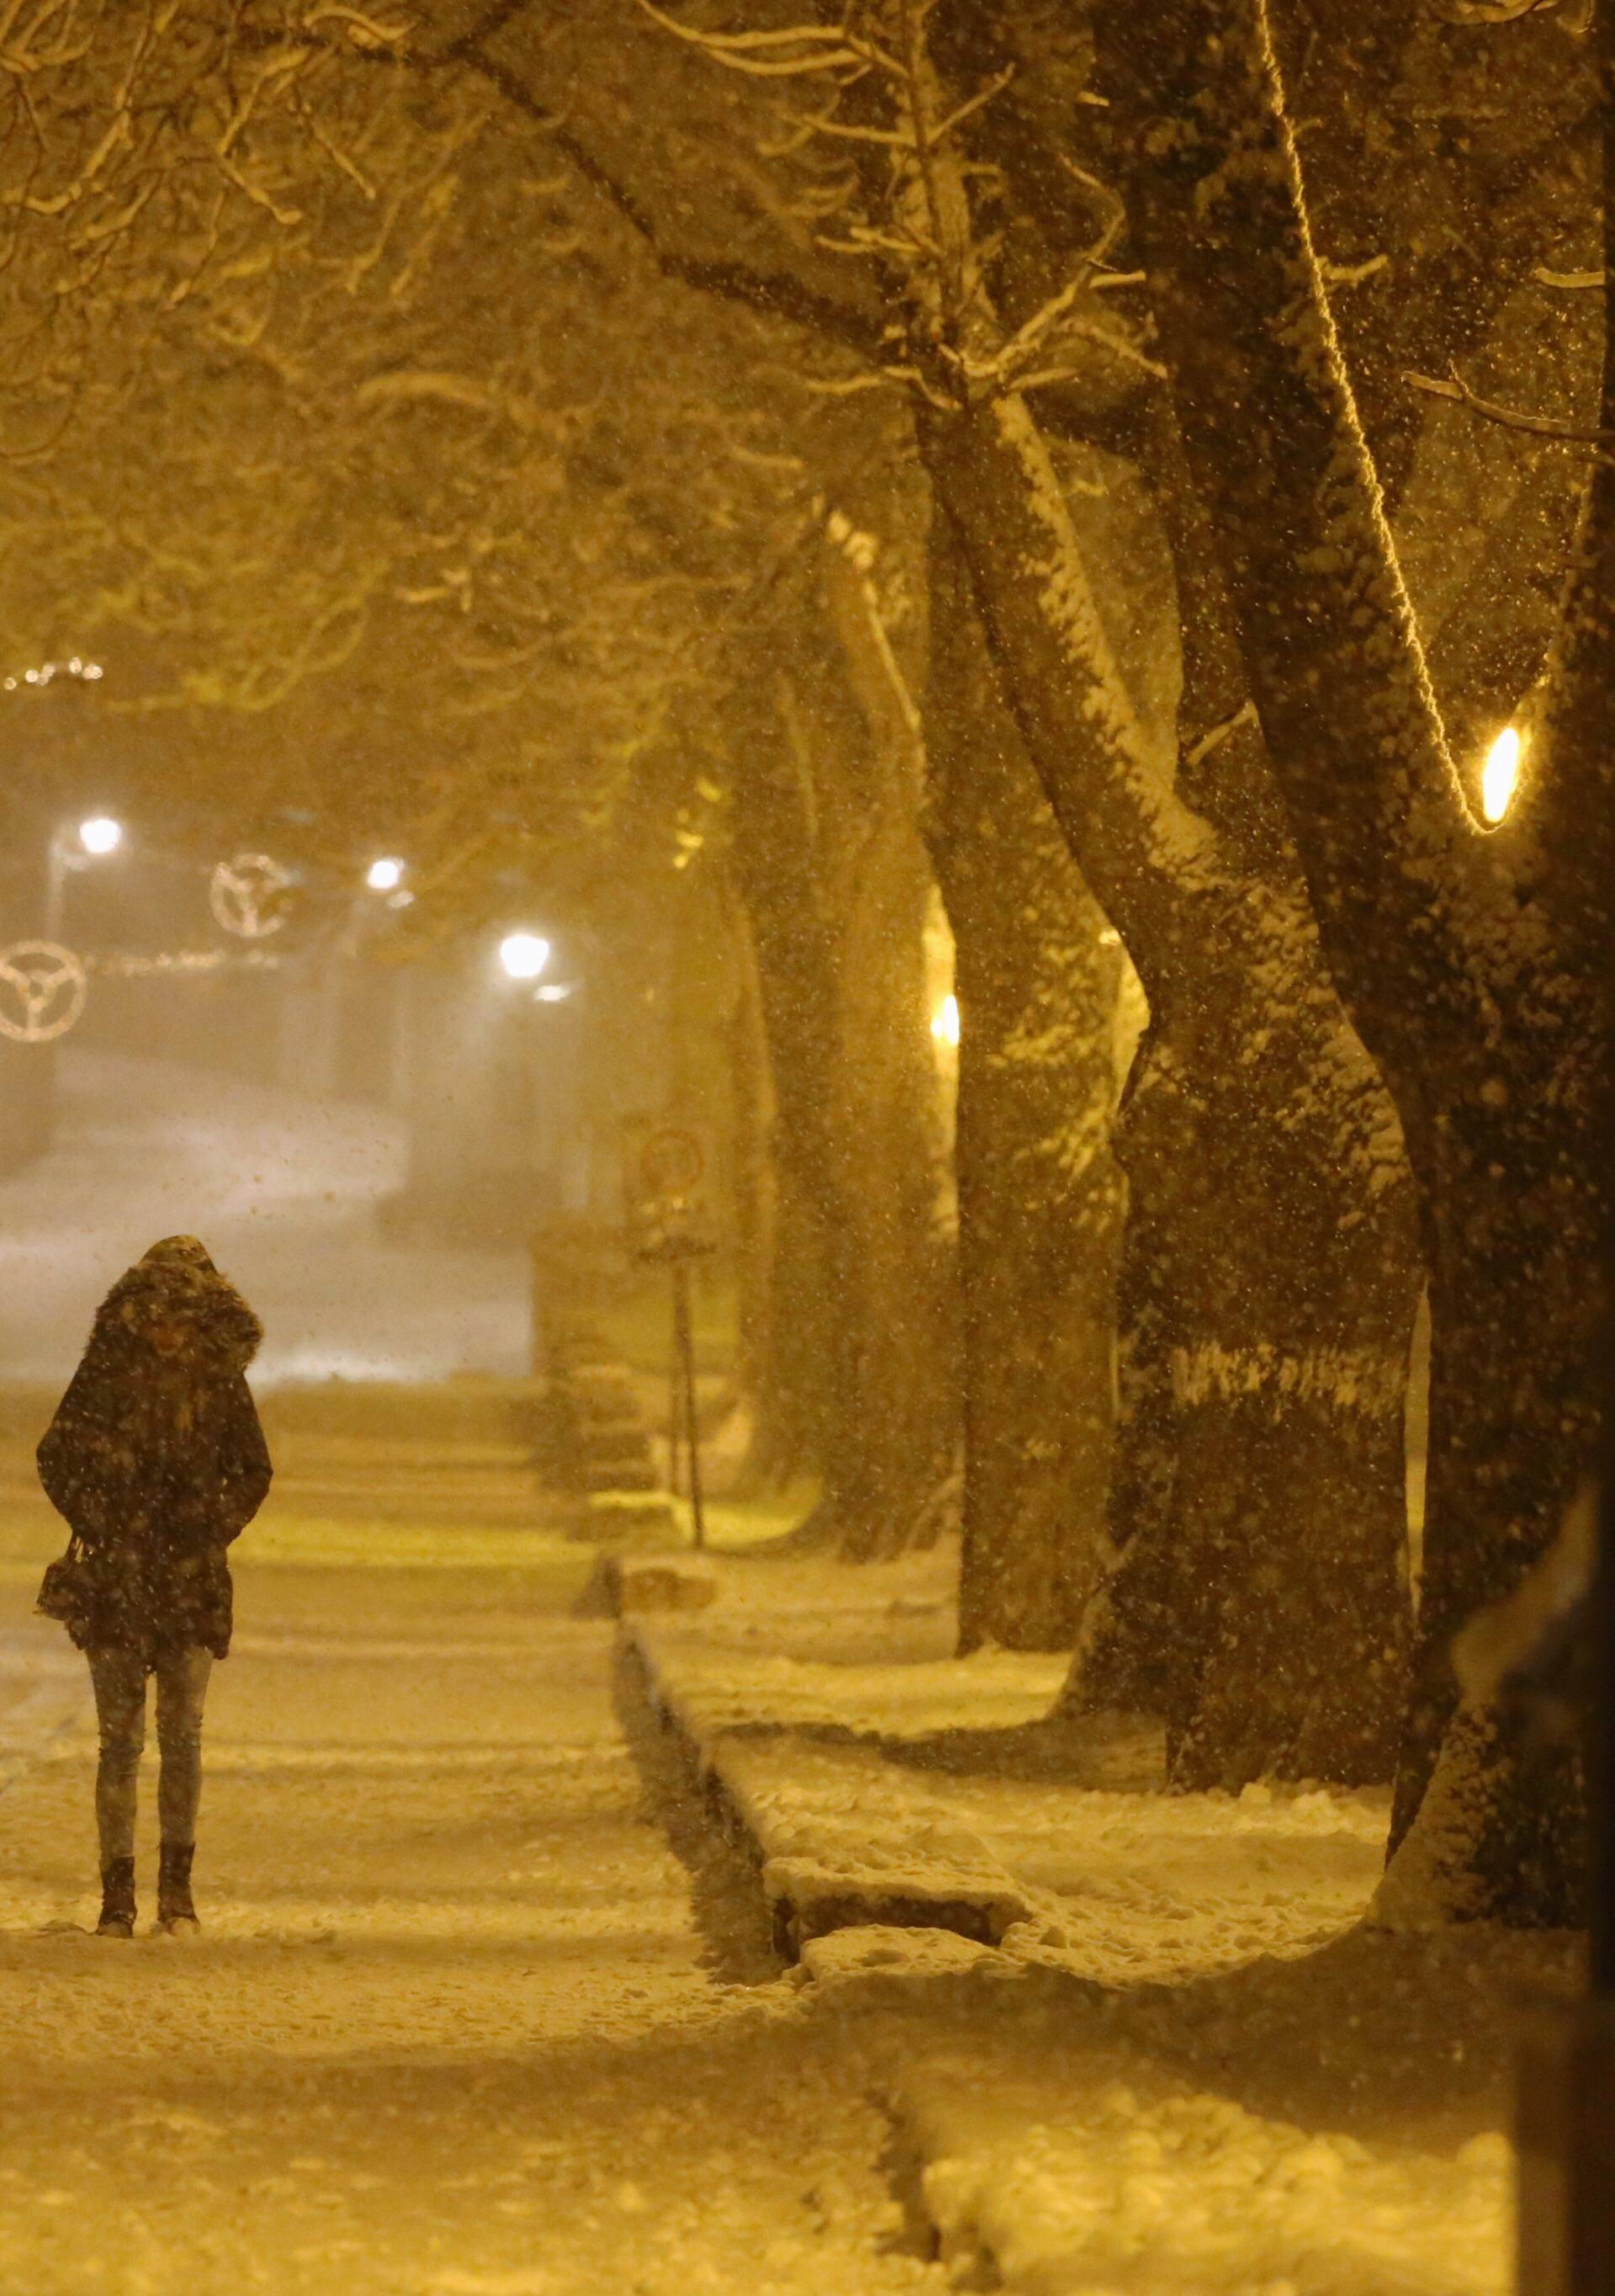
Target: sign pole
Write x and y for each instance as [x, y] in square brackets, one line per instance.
[671, 1162]
[684, 1349]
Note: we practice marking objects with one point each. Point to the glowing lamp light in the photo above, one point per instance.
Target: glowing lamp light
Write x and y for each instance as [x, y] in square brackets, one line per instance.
[1500, 775]
[523, 955]
[944, 1021]
[101, 834]
[385, 876]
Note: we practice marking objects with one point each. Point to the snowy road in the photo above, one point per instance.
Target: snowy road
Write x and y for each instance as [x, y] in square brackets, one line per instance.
[283, 1189]
[453, 2027]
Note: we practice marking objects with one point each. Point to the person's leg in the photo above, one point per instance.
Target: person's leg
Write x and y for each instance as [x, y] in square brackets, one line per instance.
[120, 1681]
[182, 1689]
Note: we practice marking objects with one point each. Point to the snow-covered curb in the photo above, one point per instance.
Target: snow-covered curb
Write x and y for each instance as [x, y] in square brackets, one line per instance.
[1302, 2129]
[1099, 2173]
[822, 1869]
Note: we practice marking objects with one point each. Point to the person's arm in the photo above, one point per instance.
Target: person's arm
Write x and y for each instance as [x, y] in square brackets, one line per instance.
[79, 1469]
[246, 1470]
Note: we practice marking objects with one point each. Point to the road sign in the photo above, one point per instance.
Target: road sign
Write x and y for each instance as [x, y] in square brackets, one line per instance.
[42, 987]
[671, 1162]
[248, 895]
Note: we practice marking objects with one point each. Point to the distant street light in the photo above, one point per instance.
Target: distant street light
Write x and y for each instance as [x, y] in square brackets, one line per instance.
[69, 850]
[101, 834]
[385, 876]
[524, 955]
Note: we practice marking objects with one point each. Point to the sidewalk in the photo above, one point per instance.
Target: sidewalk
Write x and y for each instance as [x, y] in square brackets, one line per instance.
[1134, 2042]
[454, 2026]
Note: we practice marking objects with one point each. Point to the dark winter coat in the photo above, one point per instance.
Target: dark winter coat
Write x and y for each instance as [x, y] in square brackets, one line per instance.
[157, 1460]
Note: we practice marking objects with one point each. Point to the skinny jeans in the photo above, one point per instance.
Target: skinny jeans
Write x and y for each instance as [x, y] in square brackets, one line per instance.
[119, 1677]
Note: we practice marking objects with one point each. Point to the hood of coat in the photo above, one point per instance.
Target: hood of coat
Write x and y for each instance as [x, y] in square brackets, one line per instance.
[174, 1305]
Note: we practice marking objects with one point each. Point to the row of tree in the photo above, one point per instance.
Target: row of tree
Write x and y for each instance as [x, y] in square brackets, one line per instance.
[922, 450]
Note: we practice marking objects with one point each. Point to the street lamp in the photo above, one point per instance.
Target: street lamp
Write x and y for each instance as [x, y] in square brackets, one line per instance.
[523, 955]
[100, 835]
[386, 875]
[95, 839]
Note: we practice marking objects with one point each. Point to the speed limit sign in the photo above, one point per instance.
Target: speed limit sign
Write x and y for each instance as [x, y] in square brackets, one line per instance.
[671, 1161]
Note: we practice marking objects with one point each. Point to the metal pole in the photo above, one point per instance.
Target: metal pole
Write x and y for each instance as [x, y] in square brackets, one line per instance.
[55, 885]
[546, 1305]
[674, 1388]
[685, 1348]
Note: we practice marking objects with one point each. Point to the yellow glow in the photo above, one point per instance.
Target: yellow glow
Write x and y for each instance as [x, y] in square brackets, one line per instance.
[524, 955]
[944, 1021]
[1500, 775]
[101, 834]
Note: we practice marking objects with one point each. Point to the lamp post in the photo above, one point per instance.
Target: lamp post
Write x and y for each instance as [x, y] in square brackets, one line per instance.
[71, 849]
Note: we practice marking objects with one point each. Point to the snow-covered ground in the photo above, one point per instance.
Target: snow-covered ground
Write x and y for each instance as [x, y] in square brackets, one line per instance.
[460, 2024]
[284, 1191]
[867, 1765]
[1182, 2066]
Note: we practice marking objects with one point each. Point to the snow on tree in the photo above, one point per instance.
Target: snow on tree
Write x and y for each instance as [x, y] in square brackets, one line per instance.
[1471, 962]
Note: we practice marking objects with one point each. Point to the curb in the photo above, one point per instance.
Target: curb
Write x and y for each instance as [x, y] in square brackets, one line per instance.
[811, 1891]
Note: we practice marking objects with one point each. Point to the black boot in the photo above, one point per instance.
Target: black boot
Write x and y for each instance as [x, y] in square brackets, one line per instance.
[174, 1910]
[117, 1900]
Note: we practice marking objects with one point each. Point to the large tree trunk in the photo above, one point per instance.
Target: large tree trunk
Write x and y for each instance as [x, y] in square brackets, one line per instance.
[831, 868]
[1038, 975]
[906, 1371]
[1269, 1279]
[1472, 966]
[809, 1376]
[775, 1269]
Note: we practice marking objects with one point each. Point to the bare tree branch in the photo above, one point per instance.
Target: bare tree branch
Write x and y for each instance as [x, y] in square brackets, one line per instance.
[1537, 426]
[775, 293]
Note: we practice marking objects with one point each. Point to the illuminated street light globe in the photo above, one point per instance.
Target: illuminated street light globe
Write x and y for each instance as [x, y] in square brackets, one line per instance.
[524, 955]
[101, 834]
[385, 876]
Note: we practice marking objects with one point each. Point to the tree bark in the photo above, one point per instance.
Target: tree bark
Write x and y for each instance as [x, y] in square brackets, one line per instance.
[1038, 974]
[1466, 961]
[1258, 1594]
[829, 863]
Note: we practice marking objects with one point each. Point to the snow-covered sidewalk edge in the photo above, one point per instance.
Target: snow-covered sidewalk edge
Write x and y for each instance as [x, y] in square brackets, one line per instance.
[1332, 2126]
[820, 1873]
[1079, 2173]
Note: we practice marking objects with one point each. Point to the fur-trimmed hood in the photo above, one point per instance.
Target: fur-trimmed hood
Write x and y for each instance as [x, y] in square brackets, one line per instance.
[176, 1287]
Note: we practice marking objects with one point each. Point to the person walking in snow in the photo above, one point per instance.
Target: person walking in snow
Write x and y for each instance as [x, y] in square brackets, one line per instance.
[157, 1460]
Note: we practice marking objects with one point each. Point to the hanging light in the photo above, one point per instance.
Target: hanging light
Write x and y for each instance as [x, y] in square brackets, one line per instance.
[1500, 775]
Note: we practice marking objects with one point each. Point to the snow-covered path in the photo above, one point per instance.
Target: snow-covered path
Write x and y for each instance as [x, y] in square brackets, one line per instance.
[453, 2027]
